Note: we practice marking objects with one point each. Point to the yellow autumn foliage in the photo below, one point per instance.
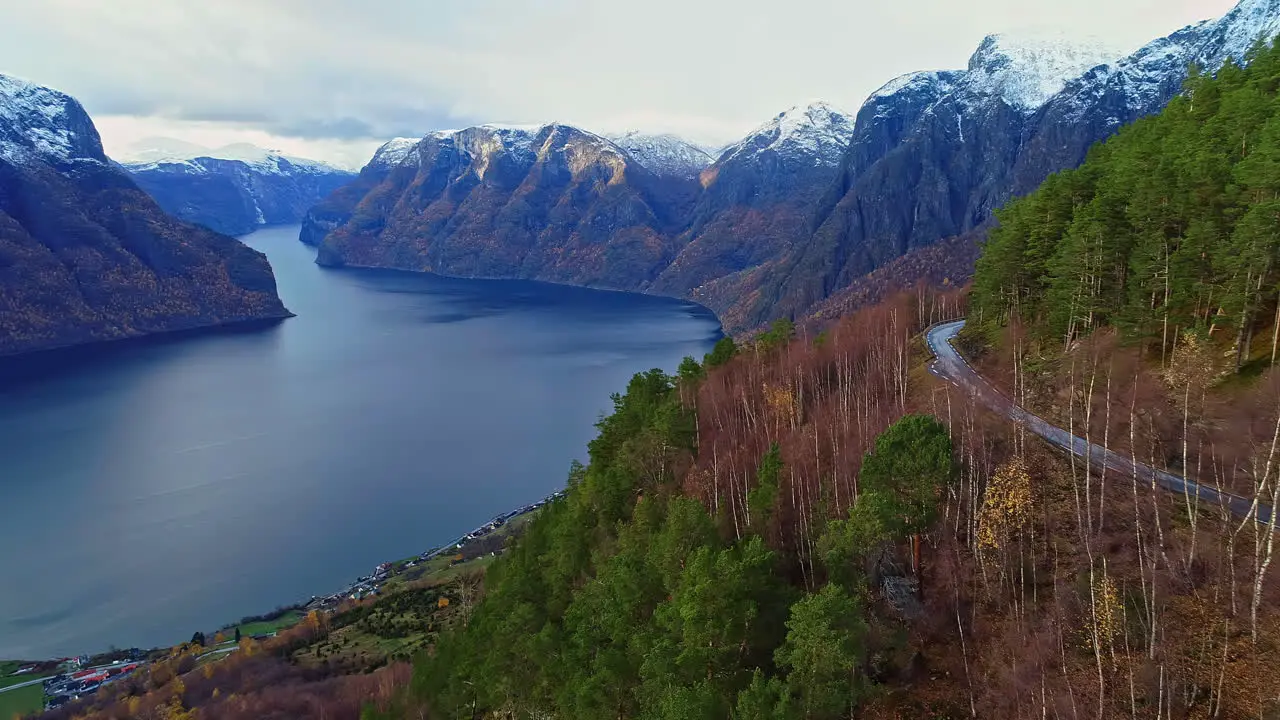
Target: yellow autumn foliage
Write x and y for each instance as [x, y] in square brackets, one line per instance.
[1108, 616]
[781, 403]
[1193, 363]
[1006, 505]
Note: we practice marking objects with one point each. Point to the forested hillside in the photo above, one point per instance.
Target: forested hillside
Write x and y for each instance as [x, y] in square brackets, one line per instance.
[1172, 225]
[814, 527]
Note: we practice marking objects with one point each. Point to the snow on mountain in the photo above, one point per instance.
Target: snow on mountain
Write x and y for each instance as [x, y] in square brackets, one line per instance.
[1148, 77]
[1024, 72]
[40, 123]
[231, 189]
[664, 154]
[526, 144]
[483, 140]
[152, 153]
[395, 151]
[818, 131]
[914, 82]
[155, 149]
[1232, 35]
[1027, 71]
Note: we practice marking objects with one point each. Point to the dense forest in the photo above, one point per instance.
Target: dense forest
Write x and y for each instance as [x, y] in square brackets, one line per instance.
[1173, 225]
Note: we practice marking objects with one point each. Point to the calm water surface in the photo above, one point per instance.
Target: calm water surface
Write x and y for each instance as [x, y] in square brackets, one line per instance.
[163, 488]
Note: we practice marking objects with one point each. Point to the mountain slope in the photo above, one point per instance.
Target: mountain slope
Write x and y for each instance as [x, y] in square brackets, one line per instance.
[551, 203]
[233, 189]
[87, 256]
[756, 202]
[969, 141]
[664, 154]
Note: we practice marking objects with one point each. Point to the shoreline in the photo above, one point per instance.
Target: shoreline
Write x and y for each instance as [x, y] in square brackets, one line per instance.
[24, 365]
[363, 586]
[372, 584]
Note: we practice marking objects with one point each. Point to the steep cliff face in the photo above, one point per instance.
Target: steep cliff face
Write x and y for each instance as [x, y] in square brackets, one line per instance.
[85, 255]
[551, 203]
[236, 189]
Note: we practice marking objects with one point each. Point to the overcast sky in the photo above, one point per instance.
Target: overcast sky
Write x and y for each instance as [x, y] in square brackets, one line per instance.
[331, 79]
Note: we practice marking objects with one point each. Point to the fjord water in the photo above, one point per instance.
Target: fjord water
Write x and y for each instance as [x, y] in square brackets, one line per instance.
[159, 488]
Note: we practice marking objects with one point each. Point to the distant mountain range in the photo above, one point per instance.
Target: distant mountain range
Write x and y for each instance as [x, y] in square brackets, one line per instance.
[85, 255]
[785, 219]
[232, 189]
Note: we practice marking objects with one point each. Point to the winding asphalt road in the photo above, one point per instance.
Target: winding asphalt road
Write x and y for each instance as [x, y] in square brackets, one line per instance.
[949, 366]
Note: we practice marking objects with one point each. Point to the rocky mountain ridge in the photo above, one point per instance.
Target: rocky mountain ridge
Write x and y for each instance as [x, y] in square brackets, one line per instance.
[553, 203]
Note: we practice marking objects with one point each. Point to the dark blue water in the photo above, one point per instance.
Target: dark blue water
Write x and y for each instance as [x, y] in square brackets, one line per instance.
[155, 490]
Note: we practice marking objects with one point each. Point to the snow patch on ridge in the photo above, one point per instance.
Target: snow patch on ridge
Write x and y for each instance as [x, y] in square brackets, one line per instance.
[664, 154]
[1239, 29]
[395, 151]
[912, 82]
[153, 153]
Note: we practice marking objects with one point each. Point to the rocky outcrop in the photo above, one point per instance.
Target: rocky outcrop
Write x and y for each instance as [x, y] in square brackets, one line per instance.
[235, 192]
[87, 256]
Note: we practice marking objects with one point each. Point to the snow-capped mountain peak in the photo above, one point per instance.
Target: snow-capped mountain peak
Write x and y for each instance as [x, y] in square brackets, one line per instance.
[817, 130]
[41, 123]
[664, 154]
[1027, 71]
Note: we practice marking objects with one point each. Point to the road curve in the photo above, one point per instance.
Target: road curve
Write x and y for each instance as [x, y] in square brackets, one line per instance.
[950, 366]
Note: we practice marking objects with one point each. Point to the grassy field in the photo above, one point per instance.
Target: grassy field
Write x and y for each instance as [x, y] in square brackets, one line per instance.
[397, 626]
[20, 702]
[289, 619]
